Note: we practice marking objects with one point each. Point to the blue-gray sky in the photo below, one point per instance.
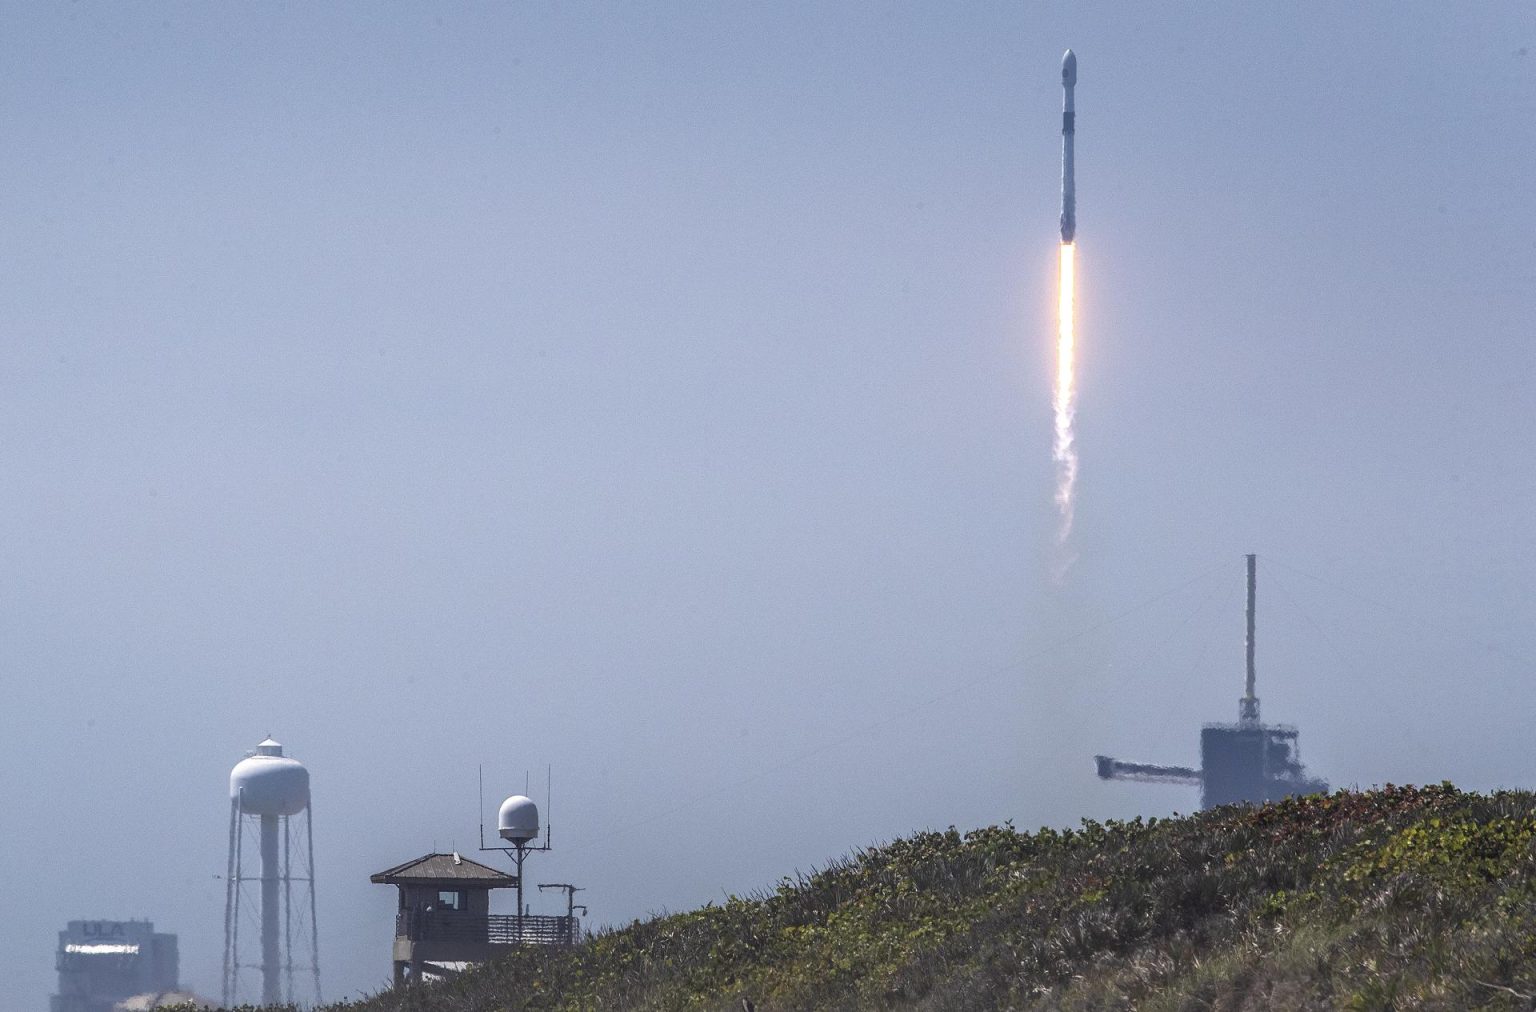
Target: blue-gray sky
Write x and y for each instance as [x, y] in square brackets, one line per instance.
[662, 392]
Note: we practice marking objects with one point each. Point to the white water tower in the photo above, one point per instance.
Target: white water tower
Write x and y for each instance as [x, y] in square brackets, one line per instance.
[266, 790]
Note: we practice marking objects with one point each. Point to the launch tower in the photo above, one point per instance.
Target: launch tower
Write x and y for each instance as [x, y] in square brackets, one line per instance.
[1248, 761]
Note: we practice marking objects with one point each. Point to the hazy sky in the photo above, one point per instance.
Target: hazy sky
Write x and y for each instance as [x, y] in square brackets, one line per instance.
[661, 392]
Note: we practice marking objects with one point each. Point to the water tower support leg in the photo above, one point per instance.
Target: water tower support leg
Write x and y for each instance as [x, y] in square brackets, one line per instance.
[271, 969]
[231, 895]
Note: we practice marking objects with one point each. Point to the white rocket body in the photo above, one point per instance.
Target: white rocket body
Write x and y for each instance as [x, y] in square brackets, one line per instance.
[1068, 128]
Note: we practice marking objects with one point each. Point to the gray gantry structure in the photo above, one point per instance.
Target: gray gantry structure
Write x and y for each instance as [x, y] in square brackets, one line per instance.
[1248, 761]
[102, 963]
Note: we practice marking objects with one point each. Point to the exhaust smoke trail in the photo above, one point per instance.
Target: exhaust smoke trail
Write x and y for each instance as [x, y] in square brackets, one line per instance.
[1064, 405]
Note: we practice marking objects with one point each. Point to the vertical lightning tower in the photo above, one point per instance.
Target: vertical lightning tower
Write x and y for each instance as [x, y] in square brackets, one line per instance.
[266, 790]
[1064, 395]
[1248, 706]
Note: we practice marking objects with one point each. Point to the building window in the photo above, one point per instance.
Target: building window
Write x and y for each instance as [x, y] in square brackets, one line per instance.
[450, 900]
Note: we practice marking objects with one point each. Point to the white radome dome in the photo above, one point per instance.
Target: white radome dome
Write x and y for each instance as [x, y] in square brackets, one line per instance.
[269, 783]
[518, 820]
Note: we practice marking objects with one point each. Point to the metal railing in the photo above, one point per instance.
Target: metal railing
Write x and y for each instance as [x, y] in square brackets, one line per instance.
[496, 929]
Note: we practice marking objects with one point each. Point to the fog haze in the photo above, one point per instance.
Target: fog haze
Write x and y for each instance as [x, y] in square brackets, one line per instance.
[662, 394]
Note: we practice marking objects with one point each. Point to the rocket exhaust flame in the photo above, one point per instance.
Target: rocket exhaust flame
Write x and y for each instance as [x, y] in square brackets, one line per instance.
[1064, 403]
[1064, 396]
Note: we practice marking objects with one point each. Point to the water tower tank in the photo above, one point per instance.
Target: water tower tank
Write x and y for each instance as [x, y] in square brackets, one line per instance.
[269, 783]
[518, 820]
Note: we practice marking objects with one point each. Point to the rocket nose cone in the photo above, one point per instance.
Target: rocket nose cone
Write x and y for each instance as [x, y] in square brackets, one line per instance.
[1069, 69]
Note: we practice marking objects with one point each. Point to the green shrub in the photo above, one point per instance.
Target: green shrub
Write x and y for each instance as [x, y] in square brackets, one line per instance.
[1393, 898]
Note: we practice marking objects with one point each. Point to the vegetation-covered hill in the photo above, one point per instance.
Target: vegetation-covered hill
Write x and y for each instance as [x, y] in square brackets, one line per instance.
[1394, 898]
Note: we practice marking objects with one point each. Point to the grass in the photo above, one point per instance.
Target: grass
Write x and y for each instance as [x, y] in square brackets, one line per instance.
[1388, 899]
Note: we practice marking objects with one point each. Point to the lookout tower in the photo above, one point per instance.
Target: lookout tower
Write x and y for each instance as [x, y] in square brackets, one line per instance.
[444, 921]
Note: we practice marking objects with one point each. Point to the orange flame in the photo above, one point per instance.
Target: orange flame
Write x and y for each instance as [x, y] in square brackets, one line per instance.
[1064, 400]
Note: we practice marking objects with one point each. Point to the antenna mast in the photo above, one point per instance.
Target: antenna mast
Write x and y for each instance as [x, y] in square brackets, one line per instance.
[517, 823]
[1248, 706]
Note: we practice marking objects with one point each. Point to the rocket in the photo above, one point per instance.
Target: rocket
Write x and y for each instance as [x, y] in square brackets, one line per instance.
[1068, 128]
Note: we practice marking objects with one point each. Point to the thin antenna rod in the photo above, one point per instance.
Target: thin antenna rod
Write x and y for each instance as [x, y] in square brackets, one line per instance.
[1248, 708]
[549, 807]
[1253, 588]
[481, 808]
